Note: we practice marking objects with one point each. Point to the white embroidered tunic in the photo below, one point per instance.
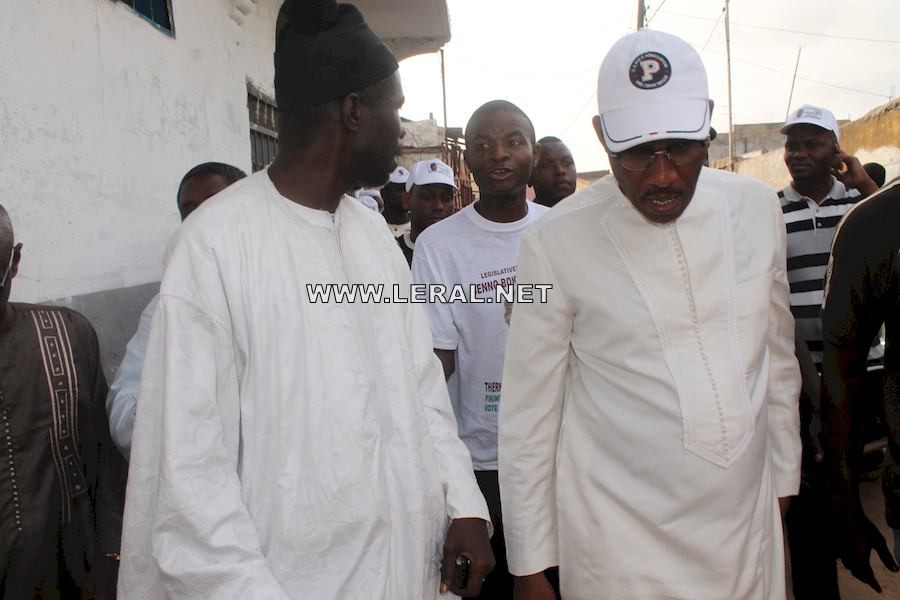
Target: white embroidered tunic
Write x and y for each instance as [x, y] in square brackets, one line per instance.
[285, 448]
[650, 417]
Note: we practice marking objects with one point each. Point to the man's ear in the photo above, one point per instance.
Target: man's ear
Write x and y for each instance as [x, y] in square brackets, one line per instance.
[352, 111]
[404, 200]
[466, 158]
[598, 129]
[535, 155]
[17, 256]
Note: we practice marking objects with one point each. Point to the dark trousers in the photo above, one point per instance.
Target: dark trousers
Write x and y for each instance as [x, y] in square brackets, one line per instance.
[813, 565]
[499, 583]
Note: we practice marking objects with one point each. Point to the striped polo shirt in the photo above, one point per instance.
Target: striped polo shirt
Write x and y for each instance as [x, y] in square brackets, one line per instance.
[810, 231]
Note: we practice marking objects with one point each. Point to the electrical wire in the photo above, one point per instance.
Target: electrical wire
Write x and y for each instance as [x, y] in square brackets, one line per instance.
[834, 85]
[716, 26]
[580, 110]
[795, 31]
[650, 18]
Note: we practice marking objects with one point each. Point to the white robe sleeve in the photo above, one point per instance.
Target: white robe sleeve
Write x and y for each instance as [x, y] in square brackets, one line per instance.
[784, 375]
[121, 402]
[531, 414]
[463, 496]
[187, 532]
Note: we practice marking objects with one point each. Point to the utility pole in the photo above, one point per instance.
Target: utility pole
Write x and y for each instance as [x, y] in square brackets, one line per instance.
[793, 81]
[642, 13]
[444, 91]
[728, 60]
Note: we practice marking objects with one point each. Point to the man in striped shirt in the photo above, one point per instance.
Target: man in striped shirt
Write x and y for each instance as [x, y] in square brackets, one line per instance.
[825, 184]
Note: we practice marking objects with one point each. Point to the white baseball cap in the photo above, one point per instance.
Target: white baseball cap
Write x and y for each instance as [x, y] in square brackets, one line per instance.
[399, 175]
[813, 115]
[652, 86]
[430, 171]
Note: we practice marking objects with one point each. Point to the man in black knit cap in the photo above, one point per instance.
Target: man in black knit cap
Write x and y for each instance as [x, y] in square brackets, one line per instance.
[278, 451]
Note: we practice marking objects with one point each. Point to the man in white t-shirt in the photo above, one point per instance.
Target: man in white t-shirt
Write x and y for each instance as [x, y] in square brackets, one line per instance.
[477, 248]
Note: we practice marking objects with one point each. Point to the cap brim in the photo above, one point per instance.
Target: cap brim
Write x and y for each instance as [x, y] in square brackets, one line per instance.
[682, 119]
[803, 121]
[426, 180]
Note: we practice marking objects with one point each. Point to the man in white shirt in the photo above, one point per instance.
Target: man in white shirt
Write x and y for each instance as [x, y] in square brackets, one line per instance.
[197, 186]
[278, 451]
[650, 425]
[428, 199]
[477, 248]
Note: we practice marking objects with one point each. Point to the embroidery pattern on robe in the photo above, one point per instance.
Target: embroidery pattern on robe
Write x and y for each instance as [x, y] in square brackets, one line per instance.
[62, 381]
[730, 400]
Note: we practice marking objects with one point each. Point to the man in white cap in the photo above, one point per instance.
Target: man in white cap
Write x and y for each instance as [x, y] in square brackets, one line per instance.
[825, 184]
[649, 425]
[396, 215]
[428, 198]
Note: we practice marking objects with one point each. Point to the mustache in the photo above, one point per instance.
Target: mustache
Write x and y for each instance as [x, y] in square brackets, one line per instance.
[655, 191]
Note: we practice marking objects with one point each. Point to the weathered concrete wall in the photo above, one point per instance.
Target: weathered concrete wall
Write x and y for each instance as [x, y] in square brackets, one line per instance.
[876, 138]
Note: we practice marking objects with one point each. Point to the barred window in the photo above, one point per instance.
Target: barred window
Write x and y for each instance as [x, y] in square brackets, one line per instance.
[263, 128]
[158, 12]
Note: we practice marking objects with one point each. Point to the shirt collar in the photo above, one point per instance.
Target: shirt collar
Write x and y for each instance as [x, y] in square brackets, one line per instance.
[838, 192]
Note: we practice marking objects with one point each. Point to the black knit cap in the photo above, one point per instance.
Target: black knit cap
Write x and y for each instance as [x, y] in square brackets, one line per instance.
[324, 51]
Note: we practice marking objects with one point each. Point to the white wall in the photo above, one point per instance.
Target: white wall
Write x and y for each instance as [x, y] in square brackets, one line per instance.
[100, 115]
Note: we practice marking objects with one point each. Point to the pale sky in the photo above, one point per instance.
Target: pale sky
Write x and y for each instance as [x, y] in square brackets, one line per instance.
[544, 55]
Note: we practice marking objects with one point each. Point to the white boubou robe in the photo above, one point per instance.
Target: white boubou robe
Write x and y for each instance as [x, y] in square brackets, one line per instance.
[283, 448]
[649, 419]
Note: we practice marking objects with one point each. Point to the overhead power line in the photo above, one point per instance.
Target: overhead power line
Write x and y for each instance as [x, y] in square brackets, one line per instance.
[650, 18]
[810, 79]
[716, 26]
[580, 110]
[795, 31]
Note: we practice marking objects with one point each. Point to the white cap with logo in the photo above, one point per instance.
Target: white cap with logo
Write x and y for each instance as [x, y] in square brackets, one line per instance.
[429, 171]
[813, 115]
[652, 86]
[399, 175]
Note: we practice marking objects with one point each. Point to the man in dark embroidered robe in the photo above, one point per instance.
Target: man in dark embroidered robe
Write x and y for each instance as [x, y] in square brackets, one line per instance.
[61, 478]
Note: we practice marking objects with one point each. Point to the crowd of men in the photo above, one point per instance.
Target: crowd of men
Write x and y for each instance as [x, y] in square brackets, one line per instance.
[654, 431]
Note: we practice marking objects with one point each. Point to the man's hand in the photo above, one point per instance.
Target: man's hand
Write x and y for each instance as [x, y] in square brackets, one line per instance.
[850, 172]
[860, 537]
[783, 504]
[533, 587]
[467, 538]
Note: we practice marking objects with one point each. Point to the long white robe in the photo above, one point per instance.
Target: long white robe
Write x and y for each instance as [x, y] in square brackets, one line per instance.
[649, 419]
[284, 448]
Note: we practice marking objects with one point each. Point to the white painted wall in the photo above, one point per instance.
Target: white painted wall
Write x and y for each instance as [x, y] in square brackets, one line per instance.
[100, 115]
